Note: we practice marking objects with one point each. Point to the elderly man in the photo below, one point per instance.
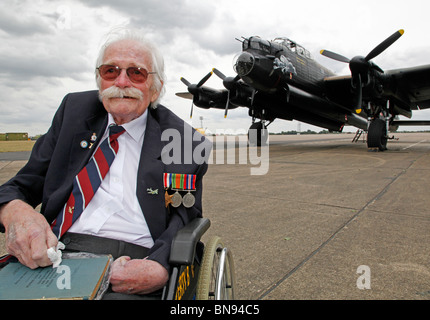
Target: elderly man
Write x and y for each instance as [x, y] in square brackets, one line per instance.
[130, 214]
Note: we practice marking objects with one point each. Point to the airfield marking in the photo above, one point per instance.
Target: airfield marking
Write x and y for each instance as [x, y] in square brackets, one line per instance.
[412, 145]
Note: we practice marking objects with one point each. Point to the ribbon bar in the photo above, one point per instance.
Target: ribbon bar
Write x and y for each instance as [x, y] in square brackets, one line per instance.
[180, 181]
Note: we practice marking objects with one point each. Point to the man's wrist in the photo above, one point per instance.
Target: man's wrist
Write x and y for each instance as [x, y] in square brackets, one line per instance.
[2, 228]
[2, 206]
[6, 210]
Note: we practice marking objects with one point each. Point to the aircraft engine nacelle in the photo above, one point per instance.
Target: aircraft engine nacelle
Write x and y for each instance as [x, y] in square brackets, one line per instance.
[258, 71]
[202, 101]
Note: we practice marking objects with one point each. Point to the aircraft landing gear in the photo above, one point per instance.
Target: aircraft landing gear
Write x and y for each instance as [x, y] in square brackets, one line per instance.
[258, 134]
[377, 135]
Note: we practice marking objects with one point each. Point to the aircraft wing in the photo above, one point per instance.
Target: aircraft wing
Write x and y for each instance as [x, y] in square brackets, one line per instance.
[414, 83]
[409, 88]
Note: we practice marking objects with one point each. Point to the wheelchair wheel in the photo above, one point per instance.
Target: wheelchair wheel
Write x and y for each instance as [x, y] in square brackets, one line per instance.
[216, 277]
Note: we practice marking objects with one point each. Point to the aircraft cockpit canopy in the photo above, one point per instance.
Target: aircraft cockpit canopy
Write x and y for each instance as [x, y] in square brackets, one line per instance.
[293, 46]
[256, 43]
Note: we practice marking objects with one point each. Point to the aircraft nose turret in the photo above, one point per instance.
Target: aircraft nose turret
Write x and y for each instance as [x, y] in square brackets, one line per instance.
[244, 64]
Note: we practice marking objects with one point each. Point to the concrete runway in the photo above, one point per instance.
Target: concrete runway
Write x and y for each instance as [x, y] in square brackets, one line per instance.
[329, 220]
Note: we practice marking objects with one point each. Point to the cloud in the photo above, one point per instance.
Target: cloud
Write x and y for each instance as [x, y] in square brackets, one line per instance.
[23, 68]
[41, 60]
[15, 21]
[165, 18]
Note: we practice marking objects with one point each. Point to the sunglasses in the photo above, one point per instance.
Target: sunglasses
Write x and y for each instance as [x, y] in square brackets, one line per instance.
[135, 74]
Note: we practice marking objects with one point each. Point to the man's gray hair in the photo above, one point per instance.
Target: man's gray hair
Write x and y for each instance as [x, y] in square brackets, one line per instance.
[157, 58]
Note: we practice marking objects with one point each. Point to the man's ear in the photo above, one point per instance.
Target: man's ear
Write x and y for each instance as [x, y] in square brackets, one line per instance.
[156, 93]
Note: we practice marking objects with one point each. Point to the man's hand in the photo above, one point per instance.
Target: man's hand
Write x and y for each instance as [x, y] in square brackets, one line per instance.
[28, 234]
[138, 276]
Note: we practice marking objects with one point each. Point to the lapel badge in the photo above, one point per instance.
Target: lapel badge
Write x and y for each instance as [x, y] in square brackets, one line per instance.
[152, 192]
[93, 137]
[84, 144]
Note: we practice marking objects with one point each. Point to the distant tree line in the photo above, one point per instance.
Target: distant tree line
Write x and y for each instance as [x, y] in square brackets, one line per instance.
[294, 132]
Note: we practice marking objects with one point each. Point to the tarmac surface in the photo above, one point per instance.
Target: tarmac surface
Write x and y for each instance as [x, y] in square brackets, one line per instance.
[324, 219]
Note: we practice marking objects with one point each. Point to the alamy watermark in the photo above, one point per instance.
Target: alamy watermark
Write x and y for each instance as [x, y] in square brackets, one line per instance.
[229, 147]
[64, 279]
[363, 281]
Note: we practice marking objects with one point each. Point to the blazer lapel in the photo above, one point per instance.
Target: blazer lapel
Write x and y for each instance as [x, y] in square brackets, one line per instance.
[83, 144]
[150, 177]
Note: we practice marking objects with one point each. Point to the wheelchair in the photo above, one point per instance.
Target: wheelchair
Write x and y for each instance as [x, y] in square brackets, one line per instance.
[194, 278]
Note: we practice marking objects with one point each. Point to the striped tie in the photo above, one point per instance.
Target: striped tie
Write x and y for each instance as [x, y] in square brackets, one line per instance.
[87, 182]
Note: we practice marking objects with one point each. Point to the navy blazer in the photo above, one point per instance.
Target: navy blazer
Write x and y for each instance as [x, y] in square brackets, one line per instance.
[57, 158]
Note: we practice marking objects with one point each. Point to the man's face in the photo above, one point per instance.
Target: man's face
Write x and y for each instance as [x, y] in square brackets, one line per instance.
[125, 54]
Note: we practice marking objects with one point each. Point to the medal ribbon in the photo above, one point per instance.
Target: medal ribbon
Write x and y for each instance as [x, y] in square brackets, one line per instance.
[179, 181]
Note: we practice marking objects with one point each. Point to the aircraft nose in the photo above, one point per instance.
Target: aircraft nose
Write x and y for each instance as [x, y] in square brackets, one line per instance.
[244, 64]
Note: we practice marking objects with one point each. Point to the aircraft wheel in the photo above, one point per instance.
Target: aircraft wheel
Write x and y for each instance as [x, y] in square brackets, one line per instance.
[376, 137]
[258, 134]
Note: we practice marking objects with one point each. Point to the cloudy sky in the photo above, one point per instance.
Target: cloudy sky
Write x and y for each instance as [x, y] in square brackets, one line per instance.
[48, 47]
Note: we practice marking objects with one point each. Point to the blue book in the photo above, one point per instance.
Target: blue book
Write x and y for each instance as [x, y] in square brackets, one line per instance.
[76, 278]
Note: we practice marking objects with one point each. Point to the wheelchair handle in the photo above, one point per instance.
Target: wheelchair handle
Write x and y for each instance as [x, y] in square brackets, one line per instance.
[185, 242]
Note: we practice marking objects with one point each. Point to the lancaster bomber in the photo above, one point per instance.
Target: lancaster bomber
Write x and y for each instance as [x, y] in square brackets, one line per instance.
[279, 79]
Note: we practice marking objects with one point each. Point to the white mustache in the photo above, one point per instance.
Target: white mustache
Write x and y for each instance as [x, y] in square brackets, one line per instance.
[115, 92]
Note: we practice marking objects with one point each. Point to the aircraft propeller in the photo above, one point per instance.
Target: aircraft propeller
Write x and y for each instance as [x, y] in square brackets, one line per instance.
[361, 66]
[194, 88]
[229, 83]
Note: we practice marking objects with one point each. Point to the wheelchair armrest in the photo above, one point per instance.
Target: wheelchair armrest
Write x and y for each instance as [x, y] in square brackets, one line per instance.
[185, 242]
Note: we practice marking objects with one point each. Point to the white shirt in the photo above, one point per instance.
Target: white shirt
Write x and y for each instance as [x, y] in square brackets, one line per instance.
[114, 211]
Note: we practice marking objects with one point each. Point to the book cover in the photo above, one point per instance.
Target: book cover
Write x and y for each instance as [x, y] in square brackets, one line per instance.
[75, 278]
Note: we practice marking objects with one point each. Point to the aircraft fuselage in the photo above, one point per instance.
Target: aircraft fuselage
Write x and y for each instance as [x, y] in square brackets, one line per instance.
[288, 85]
[264, 64]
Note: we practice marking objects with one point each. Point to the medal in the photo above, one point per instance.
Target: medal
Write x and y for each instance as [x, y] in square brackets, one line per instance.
[176, 199]
[167, 199]
[188, 200]
[180, 182]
